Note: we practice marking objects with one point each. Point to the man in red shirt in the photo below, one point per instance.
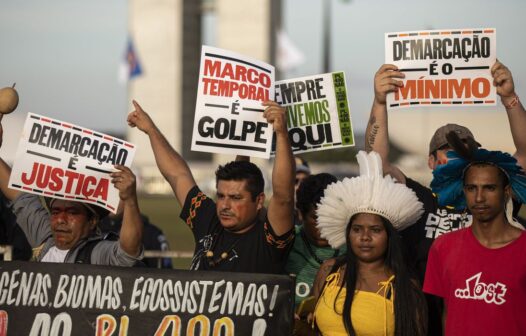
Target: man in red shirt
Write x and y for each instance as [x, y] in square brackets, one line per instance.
[479, 271]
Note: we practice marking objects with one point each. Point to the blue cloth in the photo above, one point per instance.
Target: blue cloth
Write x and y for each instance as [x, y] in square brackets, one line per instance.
[134, 66]
[448, 179]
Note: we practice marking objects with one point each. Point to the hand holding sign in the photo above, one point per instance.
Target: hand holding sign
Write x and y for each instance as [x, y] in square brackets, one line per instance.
[124, 181]
[66, 161]
[228, 116]
[385, 81]
[140, 119]
[503, 80]
[132, 227]
[443, 67]
[275, 115]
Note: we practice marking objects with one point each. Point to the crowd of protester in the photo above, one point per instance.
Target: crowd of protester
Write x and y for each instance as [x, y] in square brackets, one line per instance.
[377, 254]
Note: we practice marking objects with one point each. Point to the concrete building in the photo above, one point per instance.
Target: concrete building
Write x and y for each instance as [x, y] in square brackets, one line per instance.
[168, 37]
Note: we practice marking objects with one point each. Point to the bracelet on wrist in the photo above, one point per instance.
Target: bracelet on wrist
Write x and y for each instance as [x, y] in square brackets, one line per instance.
[514, 102]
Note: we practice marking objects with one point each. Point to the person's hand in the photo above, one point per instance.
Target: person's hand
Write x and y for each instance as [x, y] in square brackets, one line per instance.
[275, 115]
[1, 130]
[124, 181]
[503, 81]
[386, 81]
[140, 119]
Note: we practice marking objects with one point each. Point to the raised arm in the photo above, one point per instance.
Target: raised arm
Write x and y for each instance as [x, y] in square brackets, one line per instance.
[130, 237]
[281, 205]
[377, 133]
[503, 81]
[172, 166]
[5, 172]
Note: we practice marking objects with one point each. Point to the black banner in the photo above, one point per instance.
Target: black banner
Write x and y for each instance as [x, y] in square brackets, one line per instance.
[47, 299]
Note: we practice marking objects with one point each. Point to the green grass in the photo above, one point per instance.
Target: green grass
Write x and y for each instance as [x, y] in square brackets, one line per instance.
[164, 213]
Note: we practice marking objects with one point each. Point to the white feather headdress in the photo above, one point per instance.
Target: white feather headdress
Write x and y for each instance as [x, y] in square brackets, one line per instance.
[371, 192]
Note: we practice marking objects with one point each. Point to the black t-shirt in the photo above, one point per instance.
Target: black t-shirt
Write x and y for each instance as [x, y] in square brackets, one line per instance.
[434, 222]
[258, 250]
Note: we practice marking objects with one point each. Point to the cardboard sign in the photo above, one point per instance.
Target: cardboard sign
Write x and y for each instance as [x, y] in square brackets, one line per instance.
[43, 298]
[318, 115]
[443, 67]
[228, 112]
[65, 161]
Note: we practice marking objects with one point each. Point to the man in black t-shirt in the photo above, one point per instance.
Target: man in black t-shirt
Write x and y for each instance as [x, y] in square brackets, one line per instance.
[438, 218]
[235, 232]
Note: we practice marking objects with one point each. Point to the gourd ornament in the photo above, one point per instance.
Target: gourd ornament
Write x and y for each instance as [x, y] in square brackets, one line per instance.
[8, 99]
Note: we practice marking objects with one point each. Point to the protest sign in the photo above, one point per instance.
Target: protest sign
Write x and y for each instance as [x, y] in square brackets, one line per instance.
[45, 298]
[65, 161]
[317, 112]
[228, 112]
[443, 67]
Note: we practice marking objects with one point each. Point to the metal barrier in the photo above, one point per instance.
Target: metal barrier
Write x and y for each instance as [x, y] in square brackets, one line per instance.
[167, 254]
[7, 252]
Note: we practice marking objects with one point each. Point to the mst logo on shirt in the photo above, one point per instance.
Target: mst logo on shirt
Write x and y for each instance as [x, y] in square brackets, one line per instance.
[445, 220]
[478, 290]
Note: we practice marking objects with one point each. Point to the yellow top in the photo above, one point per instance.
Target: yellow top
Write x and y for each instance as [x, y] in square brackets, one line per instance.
[371, 313]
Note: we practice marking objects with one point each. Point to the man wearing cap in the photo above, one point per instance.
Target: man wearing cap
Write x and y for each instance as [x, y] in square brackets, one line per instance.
[68, 232]
[439, 217]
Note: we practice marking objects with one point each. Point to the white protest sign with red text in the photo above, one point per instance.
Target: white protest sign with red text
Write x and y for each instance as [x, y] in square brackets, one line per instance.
[228, 112]
[443, 67]
[62, 160]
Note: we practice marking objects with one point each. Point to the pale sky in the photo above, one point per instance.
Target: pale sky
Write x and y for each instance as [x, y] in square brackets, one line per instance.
[64, 54]
[359, 27]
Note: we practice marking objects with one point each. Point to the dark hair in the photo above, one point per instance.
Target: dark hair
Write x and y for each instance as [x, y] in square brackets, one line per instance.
[502, 175]
[311, 191]
[410, 307]
[242, 170]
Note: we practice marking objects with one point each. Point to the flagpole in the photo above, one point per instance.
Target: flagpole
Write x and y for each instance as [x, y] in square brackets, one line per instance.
[326, 43]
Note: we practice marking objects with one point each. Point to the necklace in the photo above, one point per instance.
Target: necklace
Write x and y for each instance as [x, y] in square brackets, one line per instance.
[311, 251]
[214, 260]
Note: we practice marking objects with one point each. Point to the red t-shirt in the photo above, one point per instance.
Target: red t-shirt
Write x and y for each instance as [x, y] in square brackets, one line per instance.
[483, 289]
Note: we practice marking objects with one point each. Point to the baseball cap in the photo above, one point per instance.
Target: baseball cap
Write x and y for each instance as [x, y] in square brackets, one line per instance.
[302, 166]
[439, 138]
